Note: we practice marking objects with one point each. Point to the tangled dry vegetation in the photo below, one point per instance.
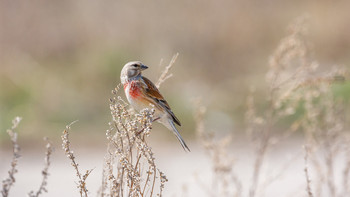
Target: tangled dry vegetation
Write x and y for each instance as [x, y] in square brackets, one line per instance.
[300, 92]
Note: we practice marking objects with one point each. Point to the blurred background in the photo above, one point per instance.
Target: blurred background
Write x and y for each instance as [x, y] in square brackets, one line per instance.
[59, 60]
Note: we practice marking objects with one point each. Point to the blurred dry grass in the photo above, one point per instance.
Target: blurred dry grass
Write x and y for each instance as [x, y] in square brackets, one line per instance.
[299, 91]
[59, 59]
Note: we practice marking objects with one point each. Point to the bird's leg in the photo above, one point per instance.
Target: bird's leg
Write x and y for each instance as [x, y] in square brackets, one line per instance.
[139, 132]
[156, 119]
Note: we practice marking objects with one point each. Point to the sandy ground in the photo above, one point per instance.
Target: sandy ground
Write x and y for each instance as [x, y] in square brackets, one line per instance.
[180, 168]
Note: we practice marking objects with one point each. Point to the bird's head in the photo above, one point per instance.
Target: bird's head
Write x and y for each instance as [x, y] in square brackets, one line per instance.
[131, 70]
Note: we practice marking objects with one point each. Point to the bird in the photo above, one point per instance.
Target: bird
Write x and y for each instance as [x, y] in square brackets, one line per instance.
[141, 92]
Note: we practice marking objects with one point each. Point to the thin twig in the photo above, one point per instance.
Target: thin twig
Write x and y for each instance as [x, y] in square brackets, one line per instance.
[154, 181]
[45, 171]
[306, 170]
[8, 182]
[70, 155]
[164, 76]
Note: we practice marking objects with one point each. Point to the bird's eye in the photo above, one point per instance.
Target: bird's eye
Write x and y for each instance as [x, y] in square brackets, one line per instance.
[134, 65]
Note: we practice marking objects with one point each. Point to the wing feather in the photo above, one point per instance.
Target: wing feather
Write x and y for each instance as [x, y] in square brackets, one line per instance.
[153, 92]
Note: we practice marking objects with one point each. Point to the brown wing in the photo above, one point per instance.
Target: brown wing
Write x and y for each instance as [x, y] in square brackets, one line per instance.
[153, 92]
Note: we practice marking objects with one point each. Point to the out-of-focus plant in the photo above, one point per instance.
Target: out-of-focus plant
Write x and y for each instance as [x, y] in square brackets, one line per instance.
[302, 93]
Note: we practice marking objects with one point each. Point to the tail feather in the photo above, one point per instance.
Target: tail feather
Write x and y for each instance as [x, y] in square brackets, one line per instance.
[178, 136]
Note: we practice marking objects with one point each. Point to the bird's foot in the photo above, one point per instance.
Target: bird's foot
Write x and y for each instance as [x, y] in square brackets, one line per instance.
[156, 119]
[139, 132]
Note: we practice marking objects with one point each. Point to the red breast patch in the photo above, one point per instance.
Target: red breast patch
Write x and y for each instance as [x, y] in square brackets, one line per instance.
[134, 90]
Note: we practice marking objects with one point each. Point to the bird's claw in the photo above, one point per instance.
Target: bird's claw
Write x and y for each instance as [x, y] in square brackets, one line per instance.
[139, 132]
[156, 119]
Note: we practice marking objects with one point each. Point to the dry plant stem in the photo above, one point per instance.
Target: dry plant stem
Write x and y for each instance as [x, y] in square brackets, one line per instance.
[82, 177]
[164, 76]
[104, 185]
[45, 171]
[330, 171]
[261, 149]
[306, 170]
[154, 181]
[281, 171]
[346, 172]
[321, 175]
[163, 179]
[8, 182]
[238, 184]
[257, 168]
[327, 136]
[225, 181]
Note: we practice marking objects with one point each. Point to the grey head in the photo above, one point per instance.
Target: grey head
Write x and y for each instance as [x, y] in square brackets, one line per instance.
[131, 70]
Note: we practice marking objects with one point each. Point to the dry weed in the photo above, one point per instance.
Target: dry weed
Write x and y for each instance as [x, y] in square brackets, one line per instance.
[295, 84]
[289, 65]
[225, 181]
[45, 171]
[69, 153]
[8, 182]
[306, 170]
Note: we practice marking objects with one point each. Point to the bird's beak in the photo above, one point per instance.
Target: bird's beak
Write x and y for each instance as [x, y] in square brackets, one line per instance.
[143, 67]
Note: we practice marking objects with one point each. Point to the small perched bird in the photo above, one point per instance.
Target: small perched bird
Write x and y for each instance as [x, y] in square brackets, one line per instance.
[141, 92]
